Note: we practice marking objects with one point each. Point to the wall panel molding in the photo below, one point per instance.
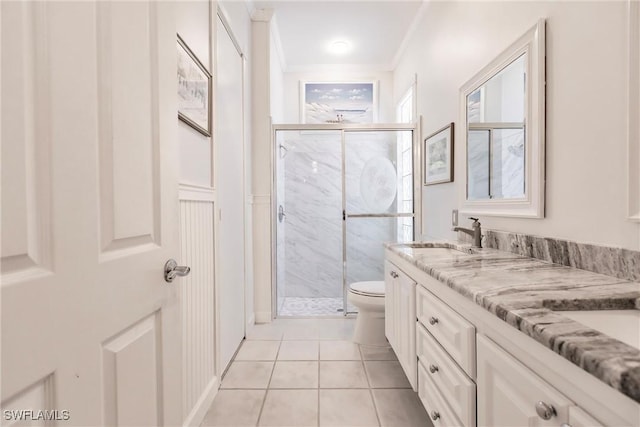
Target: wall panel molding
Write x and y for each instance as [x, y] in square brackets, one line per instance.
[196, 193]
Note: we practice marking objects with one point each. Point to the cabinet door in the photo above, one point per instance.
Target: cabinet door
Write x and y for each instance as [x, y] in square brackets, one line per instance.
[508, 391]
[389, 309]
[406, 331]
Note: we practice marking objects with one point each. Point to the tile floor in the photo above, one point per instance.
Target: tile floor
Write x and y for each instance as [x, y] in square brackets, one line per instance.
[320, 306]
[307, 372]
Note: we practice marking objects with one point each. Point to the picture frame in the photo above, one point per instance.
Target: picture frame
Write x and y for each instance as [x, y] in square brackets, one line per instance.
[194, 90]
[438, 156]
[338, 102]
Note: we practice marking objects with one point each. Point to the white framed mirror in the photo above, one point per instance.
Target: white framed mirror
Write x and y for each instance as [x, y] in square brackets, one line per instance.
[503, 111]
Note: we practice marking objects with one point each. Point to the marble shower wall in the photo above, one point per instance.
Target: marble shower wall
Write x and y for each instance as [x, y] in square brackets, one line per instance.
[310, 238]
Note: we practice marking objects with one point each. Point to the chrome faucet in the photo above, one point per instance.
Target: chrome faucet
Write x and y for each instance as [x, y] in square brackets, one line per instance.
[475, 231]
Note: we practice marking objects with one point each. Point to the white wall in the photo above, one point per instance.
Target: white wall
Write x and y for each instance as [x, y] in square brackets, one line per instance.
[276, 64]
[291, 99]
[586, 108]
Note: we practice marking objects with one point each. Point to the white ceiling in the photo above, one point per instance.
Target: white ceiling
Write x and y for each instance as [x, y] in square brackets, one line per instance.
[375, 30]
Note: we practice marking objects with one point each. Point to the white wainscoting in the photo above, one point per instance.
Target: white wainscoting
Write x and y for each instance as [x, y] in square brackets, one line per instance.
[262, 252]
[200, 383]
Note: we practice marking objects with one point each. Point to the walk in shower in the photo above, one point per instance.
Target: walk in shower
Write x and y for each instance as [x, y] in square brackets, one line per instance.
[340, 194]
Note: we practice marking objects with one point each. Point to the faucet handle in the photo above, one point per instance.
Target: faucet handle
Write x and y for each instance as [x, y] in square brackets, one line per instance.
[474, 219]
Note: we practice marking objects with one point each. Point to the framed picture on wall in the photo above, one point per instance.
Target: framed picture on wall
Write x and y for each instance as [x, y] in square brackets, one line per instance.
[339, 102]
[438, 156]
[194, 90]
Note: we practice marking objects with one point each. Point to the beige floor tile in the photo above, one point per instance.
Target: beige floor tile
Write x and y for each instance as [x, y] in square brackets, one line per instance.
[310, 332]
[353, 408]
[298, 350]
[266, 331]
[342, 374]
[248, 375]
[292, 408]
[235, 408]
[336, 329]
[377, 353]
[400, 408]
[295, 375]
[258, 350]
[386, 374]
[339, 350]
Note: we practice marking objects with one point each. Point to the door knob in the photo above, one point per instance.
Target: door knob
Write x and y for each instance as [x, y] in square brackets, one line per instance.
[173, 270]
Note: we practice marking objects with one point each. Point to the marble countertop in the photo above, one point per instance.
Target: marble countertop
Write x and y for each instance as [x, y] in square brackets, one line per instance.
[524, 292]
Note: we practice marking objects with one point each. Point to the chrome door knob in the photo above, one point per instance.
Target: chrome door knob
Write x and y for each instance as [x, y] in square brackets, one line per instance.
[433, 320]
[545, 411]
[433, 369]
[435, 415]
[173, 270]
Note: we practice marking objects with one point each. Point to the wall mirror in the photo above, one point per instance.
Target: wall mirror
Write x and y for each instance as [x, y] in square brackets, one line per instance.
[503, 109]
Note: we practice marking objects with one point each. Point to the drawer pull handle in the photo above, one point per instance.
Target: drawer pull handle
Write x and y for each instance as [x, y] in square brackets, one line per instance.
[545, 411]
[435, 415]
[433, 320]
[433, 369]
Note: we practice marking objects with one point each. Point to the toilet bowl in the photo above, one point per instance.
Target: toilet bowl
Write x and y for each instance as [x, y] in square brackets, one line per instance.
[369, 298]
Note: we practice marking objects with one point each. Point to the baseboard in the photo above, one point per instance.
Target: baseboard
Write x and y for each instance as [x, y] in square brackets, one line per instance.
[263, 317]
[196, 416]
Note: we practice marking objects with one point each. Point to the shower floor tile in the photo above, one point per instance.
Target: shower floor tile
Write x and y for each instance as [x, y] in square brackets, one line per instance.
[298, 306]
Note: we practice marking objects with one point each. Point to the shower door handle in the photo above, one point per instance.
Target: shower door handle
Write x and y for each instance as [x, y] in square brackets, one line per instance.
[281, 213]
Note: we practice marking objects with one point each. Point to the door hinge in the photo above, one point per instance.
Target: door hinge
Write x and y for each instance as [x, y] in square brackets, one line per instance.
[344, 215]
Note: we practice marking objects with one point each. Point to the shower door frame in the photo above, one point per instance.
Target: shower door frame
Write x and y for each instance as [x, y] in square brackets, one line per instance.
[344, 129]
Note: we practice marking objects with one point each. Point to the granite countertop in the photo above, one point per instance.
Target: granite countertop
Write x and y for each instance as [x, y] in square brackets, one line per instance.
[524, 292]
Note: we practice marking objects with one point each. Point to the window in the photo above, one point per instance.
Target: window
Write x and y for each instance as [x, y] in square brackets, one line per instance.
[405, 114]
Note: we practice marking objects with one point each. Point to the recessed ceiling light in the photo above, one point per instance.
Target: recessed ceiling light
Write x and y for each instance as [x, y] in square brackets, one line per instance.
[339, 47]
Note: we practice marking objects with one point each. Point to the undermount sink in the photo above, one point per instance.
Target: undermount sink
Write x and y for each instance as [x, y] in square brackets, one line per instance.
[623, 325]
[440, 248]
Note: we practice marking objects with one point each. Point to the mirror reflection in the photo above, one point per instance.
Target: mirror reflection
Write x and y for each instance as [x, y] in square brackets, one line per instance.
[496, 135]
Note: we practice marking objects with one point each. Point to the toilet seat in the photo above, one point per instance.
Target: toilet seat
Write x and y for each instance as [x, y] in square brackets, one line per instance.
[374, 289]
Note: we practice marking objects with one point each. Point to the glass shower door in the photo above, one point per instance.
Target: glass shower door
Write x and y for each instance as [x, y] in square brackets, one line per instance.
[378, 199]
[309, 260]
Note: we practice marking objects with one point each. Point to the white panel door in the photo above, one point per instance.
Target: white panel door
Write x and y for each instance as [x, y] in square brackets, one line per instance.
[89, 213]
[229, 151]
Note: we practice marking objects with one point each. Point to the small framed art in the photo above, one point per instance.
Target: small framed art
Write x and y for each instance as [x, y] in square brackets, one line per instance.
[194, 90]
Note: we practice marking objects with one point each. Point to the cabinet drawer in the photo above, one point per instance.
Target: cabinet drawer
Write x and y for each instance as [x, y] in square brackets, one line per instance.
[452, 331]
[456, 389]
[439, 412]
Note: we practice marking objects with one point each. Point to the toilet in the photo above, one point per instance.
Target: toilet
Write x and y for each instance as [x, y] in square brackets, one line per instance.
[369, 298]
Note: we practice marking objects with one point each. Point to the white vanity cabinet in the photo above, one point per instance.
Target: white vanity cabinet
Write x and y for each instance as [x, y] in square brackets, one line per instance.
[400, 318]
[474, 369]
[510, 394]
